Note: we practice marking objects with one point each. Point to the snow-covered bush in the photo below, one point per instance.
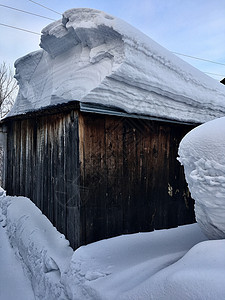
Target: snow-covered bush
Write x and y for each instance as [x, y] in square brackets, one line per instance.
[202, 153]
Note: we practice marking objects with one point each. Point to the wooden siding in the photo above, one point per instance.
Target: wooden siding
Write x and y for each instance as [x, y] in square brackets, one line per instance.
[131, 180]
[97, 176]
[43, 165]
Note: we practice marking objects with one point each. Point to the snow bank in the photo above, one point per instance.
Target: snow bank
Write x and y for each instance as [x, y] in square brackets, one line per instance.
[160, 265]
[44, 252]
[116, 268]
[200, 274]
[202, 152]
[14, 282]
[90, 56]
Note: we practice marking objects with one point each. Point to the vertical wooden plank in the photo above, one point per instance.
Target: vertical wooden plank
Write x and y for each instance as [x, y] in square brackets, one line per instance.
[94, 180]
[60, 178]
[39, 167]
[82, 174]
[129, 160]
[113, 206]
[51, 142]
[10, 160]
[57, 171]
[17, 147]
[34, 159]
[145, 199]
[72, 180]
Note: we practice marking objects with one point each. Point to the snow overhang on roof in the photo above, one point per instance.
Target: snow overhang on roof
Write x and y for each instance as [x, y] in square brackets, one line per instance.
[92, 57]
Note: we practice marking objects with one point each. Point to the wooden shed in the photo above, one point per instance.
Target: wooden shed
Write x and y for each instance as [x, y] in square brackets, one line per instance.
[93, 136]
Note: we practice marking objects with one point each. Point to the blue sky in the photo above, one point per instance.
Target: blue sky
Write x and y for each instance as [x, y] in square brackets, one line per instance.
[192, 27]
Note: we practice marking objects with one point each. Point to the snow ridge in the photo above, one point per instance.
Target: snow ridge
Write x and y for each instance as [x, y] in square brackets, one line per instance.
[44, 252]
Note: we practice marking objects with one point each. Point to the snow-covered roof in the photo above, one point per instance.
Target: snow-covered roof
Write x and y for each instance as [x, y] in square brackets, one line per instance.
[92, 57]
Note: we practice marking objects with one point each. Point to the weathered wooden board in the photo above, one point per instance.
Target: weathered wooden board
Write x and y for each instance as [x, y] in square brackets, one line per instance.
[43, 164]
[131, 177]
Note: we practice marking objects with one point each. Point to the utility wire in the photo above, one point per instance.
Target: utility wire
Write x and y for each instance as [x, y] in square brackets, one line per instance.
[45, 7]
[22, 29]
[221, 75]
[19, 29]
[193, 57]
[27, 12]
[213, 62]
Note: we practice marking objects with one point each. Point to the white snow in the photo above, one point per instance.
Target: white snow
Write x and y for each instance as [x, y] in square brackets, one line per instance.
[199, 275]
[44, 252]
[202, 152]
[92, 57]
[173, 264]
[13, 281]
[14, 284]
[117, 268]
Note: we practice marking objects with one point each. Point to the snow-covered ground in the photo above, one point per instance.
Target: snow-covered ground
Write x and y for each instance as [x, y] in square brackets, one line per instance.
[43, 252]
[124, 267]
[179, 263]
[14, 284]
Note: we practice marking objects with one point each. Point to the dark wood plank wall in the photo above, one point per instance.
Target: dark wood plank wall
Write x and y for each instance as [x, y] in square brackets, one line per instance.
[97, 176]
[43, 164]
[130, 178]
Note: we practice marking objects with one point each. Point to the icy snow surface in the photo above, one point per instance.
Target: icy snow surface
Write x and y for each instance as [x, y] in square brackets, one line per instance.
[90, 56]
[202, 152]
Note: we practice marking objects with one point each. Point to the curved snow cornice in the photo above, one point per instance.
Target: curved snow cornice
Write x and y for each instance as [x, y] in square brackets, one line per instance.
[93, 57]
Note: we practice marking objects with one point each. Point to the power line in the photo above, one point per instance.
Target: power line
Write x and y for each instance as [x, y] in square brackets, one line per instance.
[198, 58]
[45, 7]
[193, 57]
[27, 12]
[213, 62]
[221, 75]
[14, 27]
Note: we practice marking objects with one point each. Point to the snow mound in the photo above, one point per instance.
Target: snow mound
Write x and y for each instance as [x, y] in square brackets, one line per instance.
[202, 153]
[44, 252]
[116, 268]
[92, 57]
[158, 265]
[200, 274]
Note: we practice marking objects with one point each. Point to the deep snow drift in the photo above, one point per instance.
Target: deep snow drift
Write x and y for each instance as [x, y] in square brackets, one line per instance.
[90, 56]
[44, 252]
[157, 265]
[202, 152]
[14, 284]
[123, 267]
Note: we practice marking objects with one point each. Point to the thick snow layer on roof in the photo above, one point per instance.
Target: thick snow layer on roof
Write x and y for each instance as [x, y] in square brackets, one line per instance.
[93, 57]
